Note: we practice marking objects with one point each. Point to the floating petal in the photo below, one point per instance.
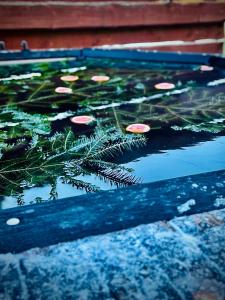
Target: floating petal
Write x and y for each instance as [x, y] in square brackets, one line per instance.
[206, 68]
[100, 78]
[69, 78]
[82, 120]
[164, 86]
[138, 128]
[63, 90]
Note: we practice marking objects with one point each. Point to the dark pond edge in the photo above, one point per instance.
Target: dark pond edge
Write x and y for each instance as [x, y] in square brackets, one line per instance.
[108, 211]
[155, 56]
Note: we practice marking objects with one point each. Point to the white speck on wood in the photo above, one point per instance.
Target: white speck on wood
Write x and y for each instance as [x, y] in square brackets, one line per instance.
[186, 206]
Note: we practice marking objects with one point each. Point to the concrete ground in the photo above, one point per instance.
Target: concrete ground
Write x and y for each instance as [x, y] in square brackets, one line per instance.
[180, 259]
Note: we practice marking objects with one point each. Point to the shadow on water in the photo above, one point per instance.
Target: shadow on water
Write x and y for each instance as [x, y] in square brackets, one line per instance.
[160, 141]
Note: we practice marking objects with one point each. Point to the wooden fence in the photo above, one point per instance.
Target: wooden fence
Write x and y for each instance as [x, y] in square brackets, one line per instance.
[71, 23]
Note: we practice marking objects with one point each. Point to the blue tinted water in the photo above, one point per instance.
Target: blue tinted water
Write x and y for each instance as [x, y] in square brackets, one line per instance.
[168, 153]
[203, 157]
[194, 159]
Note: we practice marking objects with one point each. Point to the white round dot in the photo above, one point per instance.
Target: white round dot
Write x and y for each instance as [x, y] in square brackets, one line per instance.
[13, 221]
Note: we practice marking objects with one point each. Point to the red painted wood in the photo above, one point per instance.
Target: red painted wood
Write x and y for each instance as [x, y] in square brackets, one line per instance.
[109, 14]
[97, 22]
[42, 39]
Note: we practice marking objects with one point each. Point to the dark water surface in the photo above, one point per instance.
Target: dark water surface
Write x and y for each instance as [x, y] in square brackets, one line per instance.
[187, 123]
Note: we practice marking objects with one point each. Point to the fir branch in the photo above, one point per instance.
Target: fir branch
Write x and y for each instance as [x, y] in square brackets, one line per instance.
[67, 157]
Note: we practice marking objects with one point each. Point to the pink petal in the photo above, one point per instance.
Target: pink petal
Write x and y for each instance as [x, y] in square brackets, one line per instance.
[63, 90]
[69, 78]
[138, 128]
[100, 78]
[206, 68]
[82, 119]
[164, 86]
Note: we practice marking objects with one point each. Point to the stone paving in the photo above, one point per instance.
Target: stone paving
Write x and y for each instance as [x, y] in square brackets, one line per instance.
[180, 259]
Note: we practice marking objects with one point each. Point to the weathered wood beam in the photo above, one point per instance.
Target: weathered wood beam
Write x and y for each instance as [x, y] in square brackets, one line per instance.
[17, 15]
[98, 213]
[75, 38]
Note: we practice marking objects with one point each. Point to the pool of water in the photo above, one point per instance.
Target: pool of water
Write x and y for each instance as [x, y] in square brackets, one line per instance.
[186, 137]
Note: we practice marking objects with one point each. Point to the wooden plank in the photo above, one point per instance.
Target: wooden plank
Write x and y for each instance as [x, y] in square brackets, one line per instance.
[224, 37]
[197, 1]
[16, 15]
[41, 54]
[188, 58]
[192, 58]
[98, 213]
[75, 38]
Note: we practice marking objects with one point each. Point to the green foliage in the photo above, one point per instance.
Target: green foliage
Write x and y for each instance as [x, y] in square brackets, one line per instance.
[31, 156]
[65, 157]
[38, 92]
[23, 123]
[195, 110]
[214, 126]
[16, 126]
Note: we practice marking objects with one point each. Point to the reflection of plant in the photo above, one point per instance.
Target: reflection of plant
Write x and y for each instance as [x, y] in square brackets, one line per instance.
[196, 110]
[62, 156]
[16, 126]
[215, 126]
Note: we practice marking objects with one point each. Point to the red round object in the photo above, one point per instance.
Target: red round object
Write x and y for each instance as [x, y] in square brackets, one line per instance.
[69, 78]
[82, 120]
[100, 78]
[206, 68]
[63, 90]
[164, 86]
[138, 128]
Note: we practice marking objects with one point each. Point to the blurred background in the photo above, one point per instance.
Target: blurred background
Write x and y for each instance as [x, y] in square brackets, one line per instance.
[175, 25]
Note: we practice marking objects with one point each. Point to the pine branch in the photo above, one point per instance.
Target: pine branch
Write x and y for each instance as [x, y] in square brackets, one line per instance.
[67, 157]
